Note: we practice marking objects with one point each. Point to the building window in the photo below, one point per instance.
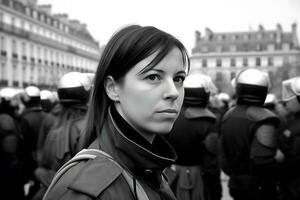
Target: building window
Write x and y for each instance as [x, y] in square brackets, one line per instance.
[3, 71]
[204, 63]
[232, 48]
[245, 62]
[271, 47]
[13, 22]
[286, 46]
[257, 61]
[232, 62]
[259, 47]
[270, 61]
[204, 49]
[221, 37]
[39, 52]
[2, 44]
[32, 51]
[23, 48]
[246, 36]
[1, 17]
[219, 48]
[218, 62]
[22, 25]
[14, 46]
[15, 72]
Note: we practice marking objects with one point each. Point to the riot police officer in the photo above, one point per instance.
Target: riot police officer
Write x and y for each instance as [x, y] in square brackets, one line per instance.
[290, 140]
[11, 148]
[249, 140]
[63, 140]
[30, 123]
[196, 174]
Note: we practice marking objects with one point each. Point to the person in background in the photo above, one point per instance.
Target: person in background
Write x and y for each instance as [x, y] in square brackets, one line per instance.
[11, 148]
[290, 140]
[196, 173]
[137, 96]
[248, 132]
[62, 141]
[30, 123]
[48, 100]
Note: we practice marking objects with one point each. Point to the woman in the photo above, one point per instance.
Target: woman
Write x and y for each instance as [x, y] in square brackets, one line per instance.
[137, 95]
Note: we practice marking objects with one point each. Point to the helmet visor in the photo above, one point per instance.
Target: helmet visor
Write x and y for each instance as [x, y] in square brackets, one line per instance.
[288, 91]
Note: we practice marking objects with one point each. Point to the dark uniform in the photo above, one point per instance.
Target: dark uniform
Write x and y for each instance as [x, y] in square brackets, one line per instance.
[196, 174]
[11, 167]
[63, 140]
[30, 124]
[249, 141]
[290, 141]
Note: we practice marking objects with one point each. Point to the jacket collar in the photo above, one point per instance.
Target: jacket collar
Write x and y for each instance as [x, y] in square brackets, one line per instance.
[138, 158]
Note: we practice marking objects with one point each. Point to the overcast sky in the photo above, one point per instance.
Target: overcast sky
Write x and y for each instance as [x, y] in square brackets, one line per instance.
[179, 17]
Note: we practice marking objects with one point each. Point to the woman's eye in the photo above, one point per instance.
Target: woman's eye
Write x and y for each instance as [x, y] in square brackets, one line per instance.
[153, 77]
[179, 79]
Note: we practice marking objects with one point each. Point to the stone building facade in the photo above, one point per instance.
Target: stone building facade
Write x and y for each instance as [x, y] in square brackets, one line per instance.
[38, 47]
[222, 55]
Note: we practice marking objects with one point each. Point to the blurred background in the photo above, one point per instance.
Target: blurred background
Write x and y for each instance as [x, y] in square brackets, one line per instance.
[42, 40]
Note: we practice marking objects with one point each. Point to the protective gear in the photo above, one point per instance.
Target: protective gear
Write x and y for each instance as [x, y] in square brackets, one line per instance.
[46, 94]
[271, 99]
[291, 89]
[8, 93]
[31, 97]
[74, 87]
[224, 97]
[48, 100]
[252, 86]
[90, 77]
[33, 91]
[198, 88]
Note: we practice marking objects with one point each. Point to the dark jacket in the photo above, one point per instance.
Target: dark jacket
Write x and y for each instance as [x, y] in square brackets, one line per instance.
[244, 152]
[97, 179]
[290, 144]
[31, 121]
[11, 167]
[194, 138]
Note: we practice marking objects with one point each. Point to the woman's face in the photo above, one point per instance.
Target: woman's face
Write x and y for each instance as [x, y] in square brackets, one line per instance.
[151, 101]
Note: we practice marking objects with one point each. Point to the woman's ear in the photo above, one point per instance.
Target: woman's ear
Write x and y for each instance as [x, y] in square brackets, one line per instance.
[110, 87]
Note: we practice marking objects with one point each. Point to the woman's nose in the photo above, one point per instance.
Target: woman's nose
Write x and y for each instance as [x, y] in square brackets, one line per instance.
[171, 91]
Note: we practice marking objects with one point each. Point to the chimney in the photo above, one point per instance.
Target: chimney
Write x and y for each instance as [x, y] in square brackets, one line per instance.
[62, 17]
[261, 28]
[208, 34]
[32, 3]
[278, 33]
[197, 36]
[75, 24]
[45, 8]
[294, 33]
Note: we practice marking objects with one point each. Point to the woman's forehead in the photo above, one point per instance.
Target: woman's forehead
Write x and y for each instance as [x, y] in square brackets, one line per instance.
[174, 59]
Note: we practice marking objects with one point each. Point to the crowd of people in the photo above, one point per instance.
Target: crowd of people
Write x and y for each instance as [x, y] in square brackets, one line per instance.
[144, 128]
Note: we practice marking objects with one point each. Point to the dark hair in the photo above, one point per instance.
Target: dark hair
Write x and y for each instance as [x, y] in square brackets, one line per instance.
[125, 49]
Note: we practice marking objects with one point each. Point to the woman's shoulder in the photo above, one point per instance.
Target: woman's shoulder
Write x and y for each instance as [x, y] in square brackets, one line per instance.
[89, 177]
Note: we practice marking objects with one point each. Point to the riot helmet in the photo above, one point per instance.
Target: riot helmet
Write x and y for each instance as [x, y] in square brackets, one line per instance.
[74, 87]
[271, 101]
[251, 86]
[198, 88]
[291, 94]
[48, 100]
[31, 96]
